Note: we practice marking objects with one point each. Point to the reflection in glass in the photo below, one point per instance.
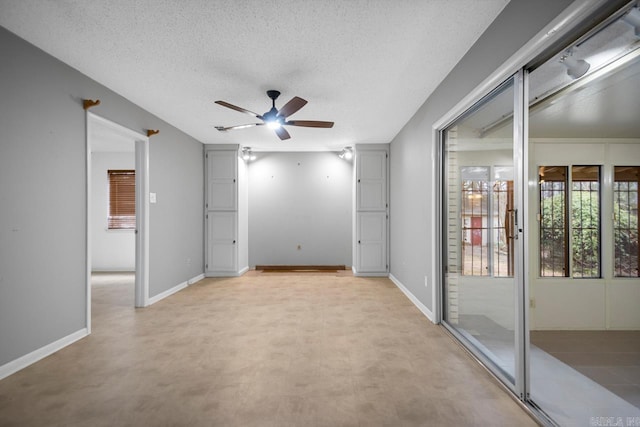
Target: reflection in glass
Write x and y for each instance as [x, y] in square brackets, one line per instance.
[625, 221]
[479, 223]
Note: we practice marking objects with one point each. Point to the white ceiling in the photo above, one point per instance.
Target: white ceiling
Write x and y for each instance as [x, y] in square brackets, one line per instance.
[367, 65]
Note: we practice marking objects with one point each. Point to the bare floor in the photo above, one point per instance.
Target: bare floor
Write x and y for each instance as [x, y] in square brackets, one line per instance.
[610, 358]
[259, 350]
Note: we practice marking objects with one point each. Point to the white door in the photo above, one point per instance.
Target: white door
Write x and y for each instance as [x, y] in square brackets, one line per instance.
[221, 180]
[372, 242]
[221, 241]
[372, 180]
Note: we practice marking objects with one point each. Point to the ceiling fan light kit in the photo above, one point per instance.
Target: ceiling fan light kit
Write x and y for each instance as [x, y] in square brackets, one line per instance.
[275, 119]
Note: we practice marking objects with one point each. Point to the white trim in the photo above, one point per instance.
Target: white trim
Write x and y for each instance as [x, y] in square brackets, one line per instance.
[226, 273]
[141, 142]
[39, 354]
[167, 293]
[142, 222]
[423, 308]
[370, 273]
[175, 289]
[195, 279]
[88, 243]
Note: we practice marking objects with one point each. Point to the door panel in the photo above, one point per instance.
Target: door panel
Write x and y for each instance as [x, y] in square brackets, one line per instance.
[480, 284]
[372, 180]
[222, 229]
[372, 246]
[221, 180]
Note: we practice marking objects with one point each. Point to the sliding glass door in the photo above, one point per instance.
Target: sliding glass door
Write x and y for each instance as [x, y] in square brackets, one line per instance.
[539, 218]
[481, 194]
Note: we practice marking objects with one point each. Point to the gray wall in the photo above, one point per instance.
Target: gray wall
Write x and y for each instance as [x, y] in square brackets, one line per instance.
[412, 150]
[43, 200]
[300, 199]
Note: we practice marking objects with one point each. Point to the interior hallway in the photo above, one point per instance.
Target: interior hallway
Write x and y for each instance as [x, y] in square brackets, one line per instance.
[263, 349]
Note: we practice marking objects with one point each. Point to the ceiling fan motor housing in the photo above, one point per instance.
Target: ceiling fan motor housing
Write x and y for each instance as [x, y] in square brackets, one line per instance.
[273, 94]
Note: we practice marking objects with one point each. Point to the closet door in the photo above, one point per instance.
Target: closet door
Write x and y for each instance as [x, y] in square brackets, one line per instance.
[372, 180]
[222, 242]
[372, 242]
[221, 212]
[371, 235]
[221, 180]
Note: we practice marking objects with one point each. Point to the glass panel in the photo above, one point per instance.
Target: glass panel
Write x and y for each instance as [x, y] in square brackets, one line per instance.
[625, 221]
[474, 203]
[553, 221]
[585, 221]
[479, 222]
[584, 335]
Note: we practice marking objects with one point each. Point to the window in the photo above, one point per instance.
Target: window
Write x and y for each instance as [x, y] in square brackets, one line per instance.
[584, 228]
[122, 199]
[585, 220]
[487, 220]
[553, 222]
[625, 221]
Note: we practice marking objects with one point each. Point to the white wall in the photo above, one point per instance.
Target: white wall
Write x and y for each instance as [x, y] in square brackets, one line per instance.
[590, 304]
[300, 199]
[112, 250]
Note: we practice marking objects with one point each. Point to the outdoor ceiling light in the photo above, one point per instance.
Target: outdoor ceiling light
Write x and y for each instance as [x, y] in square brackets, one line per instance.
[633, 18]
[346, 153]
[576, 68]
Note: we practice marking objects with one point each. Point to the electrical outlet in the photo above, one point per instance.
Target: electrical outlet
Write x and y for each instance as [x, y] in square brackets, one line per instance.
[188, 261]
[426, 282]
[532, 303]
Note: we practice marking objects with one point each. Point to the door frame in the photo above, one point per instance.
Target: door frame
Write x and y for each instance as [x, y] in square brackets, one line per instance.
[141, 143]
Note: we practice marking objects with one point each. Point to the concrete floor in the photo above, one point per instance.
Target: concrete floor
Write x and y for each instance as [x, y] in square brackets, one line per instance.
[260, 350]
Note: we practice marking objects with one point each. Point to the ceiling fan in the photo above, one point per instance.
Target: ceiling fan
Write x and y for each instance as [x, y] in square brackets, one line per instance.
[275, 118]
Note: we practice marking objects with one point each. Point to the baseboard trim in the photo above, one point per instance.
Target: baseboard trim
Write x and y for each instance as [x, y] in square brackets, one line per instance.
[227, 273]
[195, 279]
[380, 274]
[423, 308]
[39, 354]
[175, 289]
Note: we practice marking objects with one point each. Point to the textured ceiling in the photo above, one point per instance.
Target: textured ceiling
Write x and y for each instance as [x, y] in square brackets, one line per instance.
[367, 65]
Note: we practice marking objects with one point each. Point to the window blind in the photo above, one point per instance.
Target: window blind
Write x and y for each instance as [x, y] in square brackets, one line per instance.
[122, 199]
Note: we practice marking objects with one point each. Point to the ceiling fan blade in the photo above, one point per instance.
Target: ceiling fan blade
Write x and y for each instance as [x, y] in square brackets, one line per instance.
[222, 128]
[309, 123]
[292, 106]
[242, 110]
[282, 133]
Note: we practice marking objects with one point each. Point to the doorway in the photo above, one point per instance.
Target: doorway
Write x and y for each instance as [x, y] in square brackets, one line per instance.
[116, 143]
